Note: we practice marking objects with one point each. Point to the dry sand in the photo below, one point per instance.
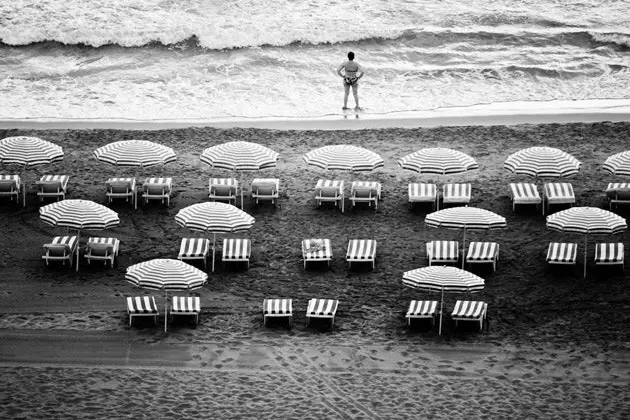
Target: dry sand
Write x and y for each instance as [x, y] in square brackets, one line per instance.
[556, 346]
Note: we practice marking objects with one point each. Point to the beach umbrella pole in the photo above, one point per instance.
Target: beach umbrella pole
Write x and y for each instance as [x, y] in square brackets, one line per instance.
[78, 247]
[464, 249]
[441, 306]
[214, 240]
[165, 309]
[585, 244]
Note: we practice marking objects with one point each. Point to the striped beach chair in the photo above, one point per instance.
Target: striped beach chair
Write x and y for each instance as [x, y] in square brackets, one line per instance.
[11, 186]
[265, 189]
[562, 253]
[443, 252]
[322, 308]
[422, 309]
[102, 249]
[186, 305]
[361, 250]
[483, 253]
[223, 189]
[423, 193]
[121, 188]
[466, 310]
[618, 193]
[314, 250]
[141, 306]
[609, 254]
[157, 189]
[456, 193]
[194, 249]
[61, 248]
[524, 193]
[365, 192]
[330, 191]
[52, 186]
[236, 250]
[278, 308]
[557, 193]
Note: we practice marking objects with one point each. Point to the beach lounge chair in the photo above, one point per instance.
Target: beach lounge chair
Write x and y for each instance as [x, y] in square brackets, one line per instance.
[223, 189]
[102, 249]
[322, 308]
[11, 186]
[278, 308]
[314, 250]
[456, 193]
[361, 250]
[618, 193]
[329, 191]
[560, 253]
[609, 254]
[61, 248]
[443, 252]
[365, 192]
[466, 310]
[557, 193]
[422, 309]
[265, 189]
[194, 249]
[236, 250]
[187, 306]
[141, 306]
[157, 189]
[54, 186]
[524, 193]
[423, 193]
[483, 253]
[121, 188]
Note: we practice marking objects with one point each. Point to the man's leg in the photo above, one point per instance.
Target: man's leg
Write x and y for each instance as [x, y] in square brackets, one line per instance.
[346, 93]
[355, 92]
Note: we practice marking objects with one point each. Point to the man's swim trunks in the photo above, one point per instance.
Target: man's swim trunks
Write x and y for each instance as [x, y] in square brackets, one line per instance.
[350, 80]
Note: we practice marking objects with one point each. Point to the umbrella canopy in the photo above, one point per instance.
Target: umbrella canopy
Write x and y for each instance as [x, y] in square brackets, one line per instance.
[542, 162]
[344, 157]
[142, 153]
[438, 160]
[443, 279]
[465, 218]
[214, 217]
[618, 164]
[167, 275]
[28, 151]
[79, 215]
[586, 220]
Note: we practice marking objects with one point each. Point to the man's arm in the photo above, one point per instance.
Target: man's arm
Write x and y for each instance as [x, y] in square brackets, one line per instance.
[341, 67]
[360, 72]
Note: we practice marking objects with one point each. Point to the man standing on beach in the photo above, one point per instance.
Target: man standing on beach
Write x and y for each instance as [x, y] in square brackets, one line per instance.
[351, 74]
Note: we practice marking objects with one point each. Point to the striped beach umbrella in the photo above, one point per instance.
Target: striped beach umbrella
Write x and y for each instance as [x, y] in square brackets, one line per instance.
[443, 279]
[168, 275]
[439, 161]
[618, 164]
[79, 215]
[344, 157]
[214, 217]
[542, 162]
[240, 156]
[28, 151]
[587, 220]
[466, 218]
[141, 153]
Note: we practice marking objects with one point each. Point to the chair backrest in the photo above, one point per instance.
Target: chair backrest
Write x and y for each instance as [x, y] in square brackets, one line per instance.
[51, 186]
[364, 192]
[266, 189]
[623, 194]
[156, 189]
[8, 185]
[58, 250]
[119, 186]
[100, 249]
[223, 190]
[329, 192]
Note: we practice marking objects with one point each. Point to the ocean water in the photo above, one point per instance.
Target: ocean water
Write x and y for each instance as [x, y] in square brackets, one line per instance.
[204, 59]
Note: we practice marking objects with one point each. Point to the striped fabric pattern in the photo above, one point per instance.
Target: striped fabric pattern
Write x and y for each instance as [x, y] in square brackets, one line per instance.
[465, 217]
[562, 253]
[141, 305]
[456, 193]
[186, 304]
[545, 162]
[214, 217]
[613, 186]
[438, 160]
[559, 192]
[373, 186]
[525, 193]
[329, 183]
[586, 220]
[316, 249]
[194, 248]
[278, 307]
[70, 242]
[422, 308]
[361, 250]
[344, 157]
[443, 278]
[482, 251]
[618, 164]
[79, 214]
[165, 274]
[159, 181]
[323, 308]
[29, 151]
[62, 180]
[240, 156]
[129, 183]
[609, 253]
[443, 251]
[224, 182]
[141, 153]
[469, 309]
[113, 242]
[236, 249]
[422, 192]
[13, 179]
